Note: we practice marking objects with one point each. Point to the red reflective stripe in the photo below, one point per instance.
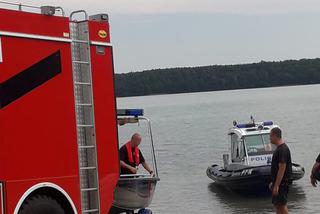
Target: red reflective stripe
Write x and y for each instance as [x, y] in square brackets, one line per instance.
[130, 155]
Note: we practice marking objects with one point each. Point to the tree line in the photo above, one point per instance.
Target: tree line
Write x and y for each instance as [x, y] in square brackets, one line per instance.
[218, 77]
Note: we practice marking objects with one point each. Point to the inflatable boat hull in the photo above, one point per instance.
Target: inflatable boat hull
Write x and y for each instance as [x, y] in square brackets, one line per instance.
[248, 178]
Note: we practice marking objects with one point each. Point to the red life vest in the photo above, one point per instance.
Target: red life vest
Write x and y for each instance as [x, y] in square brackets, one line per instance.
[136, 159]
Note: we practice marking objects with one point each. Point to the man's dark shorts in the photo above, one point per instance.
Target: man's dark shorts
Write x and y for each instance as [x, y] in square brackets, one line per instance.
[281, 198]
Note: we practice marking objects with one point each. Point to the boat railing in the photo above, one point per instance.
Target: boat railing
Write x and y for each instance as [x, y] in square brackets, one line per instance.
[144, 177]
[154, 160]
[137, 119]
[134, 175]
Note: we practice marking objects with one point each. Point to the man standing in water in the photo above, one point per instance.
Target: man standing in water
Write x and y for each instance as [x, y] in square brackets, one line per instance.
[131, 156]
[281, 169]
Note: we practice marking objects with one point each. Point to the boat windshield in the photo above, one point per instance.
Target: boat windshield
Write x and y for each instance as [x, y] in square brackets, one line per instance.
[259, 145]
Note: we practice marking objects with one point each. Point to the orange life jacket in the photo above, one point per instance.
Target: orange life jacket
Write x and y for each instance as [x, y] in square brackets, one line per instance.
[136, 159]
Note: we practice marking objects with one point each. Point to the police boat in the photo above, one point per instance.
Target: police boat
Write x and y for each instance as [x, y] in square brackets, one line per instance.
[248, 167]
[134, 192]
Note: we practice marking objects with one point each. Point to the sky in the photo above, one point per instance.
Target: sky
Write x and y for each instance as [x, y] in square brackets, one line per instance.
[151, 34]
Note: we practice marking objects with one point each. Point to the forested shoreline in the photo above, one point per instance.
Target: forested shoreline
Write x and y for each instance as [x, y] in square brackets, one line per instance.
[218, 77]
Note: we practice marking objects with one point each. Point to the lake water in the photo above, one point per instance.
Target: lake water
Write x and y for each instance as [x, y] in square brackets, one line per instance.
[190, 132]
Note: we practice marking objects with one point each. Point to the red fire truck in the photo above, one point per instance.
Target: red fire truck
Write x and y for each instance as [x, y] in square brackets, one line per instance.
[59, 147]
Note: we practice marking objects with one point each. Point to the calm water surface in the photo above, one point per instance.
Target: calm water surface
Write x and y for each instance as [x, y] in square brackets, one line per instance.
[190, 133]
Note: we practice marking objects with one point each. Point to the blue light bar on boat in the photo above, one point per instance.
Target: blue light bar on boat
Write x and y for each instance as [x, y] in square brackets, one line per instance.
[247, 125]
[251, 125]
[130, 112]
[241, 126]
[268, 123]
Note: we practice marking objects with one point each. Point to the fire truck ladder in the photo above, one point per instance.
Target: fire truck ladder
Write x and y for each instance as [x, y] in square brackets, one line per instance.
[84, 106]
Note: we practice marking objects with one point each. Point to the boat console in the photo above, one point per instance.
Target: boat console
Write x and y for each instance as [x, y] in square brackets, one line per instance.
[248, 166]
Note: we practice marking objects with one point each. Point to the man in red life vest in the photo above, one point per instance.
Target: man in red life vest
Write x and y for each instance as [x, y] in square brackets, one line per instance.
[131, 156]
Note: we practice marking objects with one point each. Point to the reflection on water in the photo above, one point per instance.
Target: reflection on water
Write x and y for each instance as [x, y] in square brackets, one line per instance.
[251, 202]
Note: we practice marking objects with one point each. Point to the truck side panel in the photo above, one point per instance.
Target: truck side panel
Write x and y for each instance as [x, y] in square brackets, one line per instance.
[37, 107]
[105, 114]
[31, 23]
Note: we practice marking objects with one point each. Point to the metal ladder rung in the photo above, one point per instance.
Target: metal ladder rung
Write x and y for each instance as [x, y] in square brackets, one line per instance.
[80, 41]
[83, 90]
[89, 189]
[82, 83]
[81, 62]
[88, 167]
[90, 211]
[87, 147]
[83, 104]
[84, 126]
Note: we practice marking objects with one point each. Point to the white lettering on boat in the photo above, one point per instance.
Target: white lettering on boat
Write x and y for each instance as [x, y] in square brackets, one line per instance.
[260, 160]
